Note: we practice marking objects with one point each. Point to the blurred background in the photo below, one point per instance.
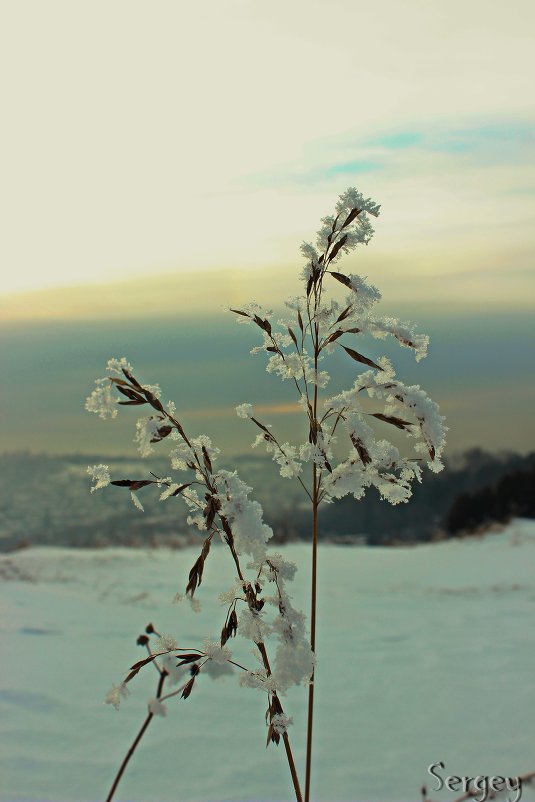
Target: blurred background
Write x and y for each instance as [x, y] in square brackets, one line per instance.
[161, 165]
[161, 162]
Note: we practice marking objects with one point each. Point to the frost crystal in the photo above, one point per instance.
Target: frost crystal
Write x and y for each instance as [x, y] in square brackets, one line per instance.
[100, 474]
[244, 411]
[280, 723]
[117, 366]
[102, 401]
[175, 673]
[165, 643]
[115, 694]
[156, 707]
[137, 503]
[216, 652]
[245, 517]
[146, 432]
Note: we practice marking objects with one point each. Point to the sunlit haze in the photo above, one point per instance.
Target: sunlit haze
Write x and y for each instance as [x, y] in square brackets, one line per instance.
[142, 141]
[162, 161]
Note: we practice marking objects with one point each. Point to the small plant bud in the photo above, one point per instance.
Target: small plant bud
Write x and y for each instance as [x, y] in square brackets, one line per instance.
[142, 640]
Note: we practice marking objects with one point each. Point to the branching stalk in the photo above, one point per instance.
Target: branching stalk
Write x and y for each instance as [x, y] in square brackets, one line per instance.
[136, 741]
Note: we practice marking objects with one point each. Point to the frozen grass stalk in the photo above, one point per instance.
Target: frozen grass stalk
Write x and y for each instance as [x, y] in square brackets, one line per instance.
[343, 453]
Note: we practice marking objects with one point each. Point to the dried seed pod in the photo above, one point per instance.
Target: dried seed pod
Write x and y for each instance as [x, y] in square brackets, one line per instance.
[336, 247]
[232, 626]
[188, 687]
[361, 449]
[184, 659]
[206, 459]
[162, 432]
[351, 216]
[224, 636]
[360, 358]
[399, 423]
[345, 280]
[138, 666]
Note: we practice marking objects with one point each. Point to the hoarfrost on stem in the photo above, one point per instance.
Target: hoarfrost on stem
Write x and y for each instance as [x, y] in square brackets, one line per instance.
[259, 607]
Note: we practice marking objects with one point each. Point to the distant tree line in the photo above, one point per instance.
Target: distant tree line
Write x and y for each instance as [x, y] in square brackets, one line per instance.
[475, 490]
[513, 496]
[45, 500]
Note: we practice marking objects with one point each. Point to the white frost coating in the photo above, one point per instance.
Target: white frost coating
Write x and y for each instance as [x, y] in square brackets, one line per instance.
[175, 673]
[353, 199]
[180, 456]
[252, 626]
[356, 232]
[404, 332]
[165, 643]
[244, 516]
[217, 670]
[116, 366]
[115, 694]
[100, 474]
[226, 597]
[136, 502]
[156, 707]
[280, 723]
[378, 463]
[256, 679]
[244, 411]
[253, 309]
[102, 401]
[294, 661]
[216, 652]
[414, 400]
[309, 252]
[364, 295]
[278, 567]
[203, 441]
[194, 604]
[169, 491]
[146, 430]
[284, 455]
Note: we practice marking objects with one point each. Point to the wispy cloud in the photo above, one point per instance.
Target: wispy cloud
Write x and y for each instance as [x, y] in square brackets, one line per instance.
[474, 141]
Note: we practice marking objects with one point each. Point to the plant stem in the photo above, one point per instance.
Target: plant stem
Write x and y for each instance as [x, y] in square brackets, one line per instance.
[315, 503]
[289, 753]
[312, 630]
[136, 741]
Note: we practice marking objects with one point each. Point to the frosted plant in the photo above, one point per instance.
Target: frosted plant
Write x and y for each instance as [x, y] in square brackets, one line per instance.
[297, 347]
[258, 606]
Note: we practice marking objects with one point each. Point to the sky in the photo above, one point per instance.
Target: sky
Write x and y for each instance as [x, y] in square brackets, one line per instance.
[162, 160]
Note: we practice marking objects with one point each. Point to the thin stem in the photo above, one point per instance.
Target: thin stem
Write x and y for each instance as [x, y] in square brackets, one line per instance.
[312, 632]
[136, 741]
[289, 754]
[262, 649]
[315, 504]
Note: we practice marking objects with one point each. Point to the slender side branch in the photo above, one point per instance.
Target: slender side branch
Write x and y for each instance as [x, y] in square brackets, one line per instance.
[137, 739]
[285, 738]
[312, 632]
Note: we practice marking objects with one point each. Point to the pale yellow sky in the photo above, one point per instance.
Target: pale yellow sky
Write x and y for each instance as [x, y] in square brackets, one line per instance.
[143, 139]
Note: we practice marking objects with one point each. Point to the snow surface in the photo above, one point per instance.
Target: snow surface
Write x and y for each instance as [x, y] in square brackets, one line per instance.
[426, 654]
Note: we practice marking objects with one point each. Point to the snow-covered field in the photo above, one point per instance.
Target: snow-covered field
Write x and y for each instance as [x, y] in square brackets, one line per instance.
[426, 654]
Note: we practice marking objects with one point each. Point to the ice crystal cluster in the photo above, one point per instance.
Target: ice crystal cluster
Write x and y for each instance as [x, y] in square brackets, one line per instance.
[297, 347]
